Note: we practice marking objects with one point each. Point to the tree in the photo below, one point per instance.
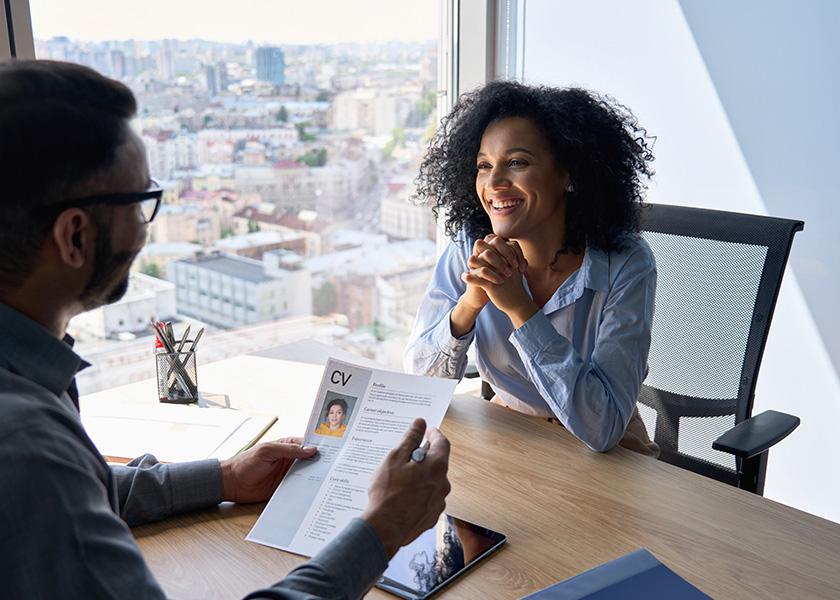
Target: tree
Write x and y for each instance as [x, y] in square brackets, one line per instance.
[397, 141]
[253, 226]
[152, 270]
[283, 114]
[314, 158]
[301, 129]
[325, 299]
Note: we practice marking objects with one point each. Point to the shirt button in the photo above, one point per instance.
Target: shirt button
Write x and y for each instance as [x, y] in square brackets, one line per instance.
[458, 347]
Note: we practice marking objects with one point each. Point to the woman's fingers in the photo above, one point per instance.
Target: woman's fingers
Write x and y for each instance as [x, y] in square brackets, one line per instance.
[509, 250]
[495, 259]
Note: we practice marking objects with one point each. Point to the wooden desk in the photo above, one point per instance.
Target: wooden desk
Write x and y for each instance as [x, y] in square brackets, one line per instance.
[564, 508]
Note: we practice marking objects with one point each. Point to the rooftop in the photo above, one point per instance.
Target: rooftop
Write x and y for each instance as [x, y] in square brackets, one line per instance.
[233, 266]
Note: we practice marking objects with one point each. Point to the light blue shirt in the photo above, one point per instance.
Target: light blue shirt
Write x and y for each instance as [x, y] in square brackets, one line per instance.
[581, 359]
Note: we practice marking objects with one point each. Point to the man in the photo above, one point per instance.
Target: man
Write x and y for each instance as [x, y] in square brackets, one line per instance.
[74, 206]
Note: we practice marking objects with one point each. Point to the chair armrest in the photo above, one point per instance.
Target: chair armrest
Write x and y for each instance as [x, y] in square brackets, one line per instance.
[756, 434]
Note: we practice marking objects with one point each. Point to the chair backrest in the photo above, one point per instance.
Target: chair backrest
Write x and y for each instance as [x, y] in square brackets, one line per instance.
[719, 275]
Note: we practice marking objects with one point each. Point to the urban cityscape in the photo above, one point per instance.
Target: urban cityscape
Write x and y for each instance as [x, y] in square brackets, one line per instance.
[286, 214]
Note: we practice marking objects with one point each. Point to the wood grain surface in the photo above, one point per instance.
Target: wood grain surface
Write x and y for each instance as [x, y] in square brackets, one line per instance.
[564, 508]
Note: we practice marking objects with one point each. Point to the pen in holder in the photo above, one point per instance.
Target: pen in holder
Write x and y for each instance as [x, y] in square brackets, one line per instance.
[177, 377]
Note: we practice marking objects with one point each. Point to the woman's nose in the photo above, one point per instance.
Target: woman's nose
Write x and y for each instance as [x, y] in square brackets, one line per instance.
[498, 178]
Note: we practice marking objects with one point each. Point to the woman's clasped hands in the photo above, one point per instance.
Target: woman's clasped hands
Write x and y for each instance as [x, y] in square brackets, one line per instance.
[496, 274]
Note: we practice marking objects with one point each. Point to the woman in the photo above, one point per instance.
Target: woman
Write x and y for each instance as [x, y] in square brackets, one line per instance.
[334, 426]
[541, 189]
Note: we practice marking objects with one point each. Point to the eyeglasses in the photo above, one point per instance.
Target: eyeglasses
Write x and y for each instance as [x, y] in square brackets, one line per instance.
[149, 201]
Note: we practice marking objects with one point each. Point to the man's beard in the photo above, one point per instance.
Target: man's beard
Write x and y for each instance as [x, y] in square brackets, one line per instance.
[104, 286]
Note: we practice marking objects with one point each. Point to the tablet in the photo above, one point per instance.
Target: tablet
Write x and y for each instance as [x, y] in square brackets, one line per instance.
[438, 556]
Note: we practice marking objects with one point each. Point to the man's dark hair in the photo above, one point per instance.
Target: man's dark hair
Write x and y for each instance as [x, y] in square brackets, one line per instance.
[60, 126]
[596, 139]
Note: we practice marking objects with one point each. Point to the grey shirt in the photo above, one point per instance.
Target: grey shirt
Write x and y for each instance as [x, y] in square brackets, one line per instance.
[65, 513]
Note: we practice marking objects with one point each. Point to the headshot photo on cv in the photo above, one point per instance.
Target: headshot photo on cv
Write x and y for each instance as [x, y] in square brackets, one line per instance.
[334, 414]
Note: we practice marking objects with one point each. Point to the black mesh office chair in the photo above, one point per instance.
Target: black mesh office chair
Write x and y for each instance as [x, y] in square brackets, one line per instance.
[719, 275]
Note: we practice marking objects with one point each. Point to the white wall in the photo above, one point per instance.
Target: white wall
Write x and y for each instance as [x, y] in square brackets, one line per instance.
[643, 53]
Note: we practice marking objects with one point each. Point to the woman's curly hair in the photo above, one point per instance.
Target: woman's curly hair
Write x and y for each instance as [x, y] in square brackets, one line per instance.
[598, 140]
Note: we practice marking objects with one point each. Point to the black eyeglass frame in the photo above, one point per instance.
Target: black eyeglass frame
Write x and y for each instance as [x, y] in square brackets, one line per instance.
[123, 199]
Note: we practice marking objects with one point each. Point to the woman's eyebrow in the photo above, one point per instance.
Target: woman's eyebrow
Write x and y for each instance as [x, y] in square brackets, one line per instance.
[510, 151]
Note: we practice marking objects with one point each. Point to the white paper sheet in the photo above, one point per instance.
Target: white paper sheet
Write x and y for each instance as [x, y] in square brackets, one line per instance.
[172, 433]
[319, 496]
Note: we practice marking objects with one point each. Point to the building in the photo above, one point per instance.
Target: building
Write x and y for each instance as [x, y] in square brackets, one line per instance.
[271, 65]
[375, 112]
[155, 257]
[186, 223]
[403, 219]
[209, 141]
[254, 245]
[211, 75]
[168, 151]
[379, 283]
[265, 217]
[231, 291]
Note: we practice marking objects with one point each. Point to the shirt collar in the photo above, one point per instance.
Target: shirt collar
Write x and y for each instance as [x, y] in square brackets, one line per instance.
[594, 274]
[595, 270]
[29, 350]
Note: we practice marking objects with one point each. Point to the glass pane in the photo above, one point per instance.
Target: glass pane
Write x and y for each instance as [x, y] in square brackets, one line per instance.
[286, 136]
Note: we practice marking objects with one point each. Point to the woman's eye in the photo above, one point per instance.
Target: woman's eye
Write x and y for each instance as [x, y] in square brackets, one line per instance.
[516, 162]
[481, 166]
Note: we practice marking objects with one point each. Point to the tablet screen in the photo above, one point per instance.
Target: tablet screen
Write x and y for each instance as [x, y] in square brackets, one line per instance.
[438, 556]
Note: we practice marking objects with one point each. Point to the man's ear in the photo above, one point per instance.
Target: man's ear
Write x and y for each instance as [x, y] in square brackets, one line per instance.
[73, 234]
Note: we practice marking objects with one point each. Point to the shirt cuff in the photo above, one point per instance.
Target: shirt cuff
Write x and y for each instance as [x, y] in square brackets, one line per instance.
[536, 334]
[355, 559]
[196, 484]
[453, 349]
[444, 339]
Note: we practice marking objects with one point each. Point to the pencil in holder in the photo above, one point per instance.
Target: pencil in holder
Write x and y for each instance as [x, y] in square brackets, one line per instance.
[177, 377]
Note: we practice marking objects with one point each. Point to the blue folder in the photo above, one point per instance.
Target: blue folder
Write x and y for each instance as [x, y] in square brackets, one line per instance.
[636, 575]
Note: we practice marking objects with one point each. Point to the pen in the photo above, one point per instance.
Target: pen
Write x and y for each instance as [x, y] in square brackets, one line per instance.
[420, 453]
[184, 339]
[197, 337]
[164, 338]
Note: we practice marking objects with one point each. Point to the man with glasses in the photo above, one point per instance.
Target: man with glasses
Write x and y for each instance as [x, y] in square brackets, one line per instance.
[74, 208]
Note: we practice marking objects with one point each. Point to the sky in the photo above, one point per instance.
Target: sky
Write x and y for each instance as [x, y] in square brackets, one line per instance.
[277, 21]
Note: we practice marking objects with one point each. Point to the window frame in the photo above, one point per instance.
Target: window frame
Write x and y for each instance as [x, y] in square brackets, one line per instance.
[16, 38]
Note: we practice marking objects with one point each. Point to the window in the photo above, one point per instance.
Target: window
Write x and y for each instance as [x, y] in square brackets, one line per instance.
[266, 134]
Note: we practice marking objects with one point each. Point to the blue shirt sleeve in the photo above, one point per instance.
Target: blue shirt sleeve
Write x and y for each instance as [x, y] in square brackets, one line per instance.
[595, 398]
[581, 359]
[432, 350]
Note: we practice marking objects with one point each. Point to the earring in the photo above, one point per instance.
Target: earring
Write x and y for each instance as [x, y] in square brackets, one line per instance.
[570, 188]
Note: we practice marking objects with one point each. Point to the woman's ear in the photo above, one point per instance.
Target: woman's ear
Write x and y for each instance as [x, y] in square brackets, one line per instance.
[72, 235]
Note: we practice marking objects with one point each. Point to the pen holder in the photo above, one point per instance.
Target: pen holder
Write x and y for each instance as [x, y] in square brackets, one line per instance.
[177, 378]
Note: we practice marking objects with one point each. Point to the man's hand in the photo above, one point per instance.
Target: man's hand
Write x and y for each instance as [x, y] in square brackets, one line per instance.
[253, 475]
[405, 497]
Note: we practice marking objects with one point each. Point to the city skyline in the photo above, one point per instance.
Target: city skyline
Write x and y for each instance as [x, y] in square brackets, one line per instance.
[278, 22]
